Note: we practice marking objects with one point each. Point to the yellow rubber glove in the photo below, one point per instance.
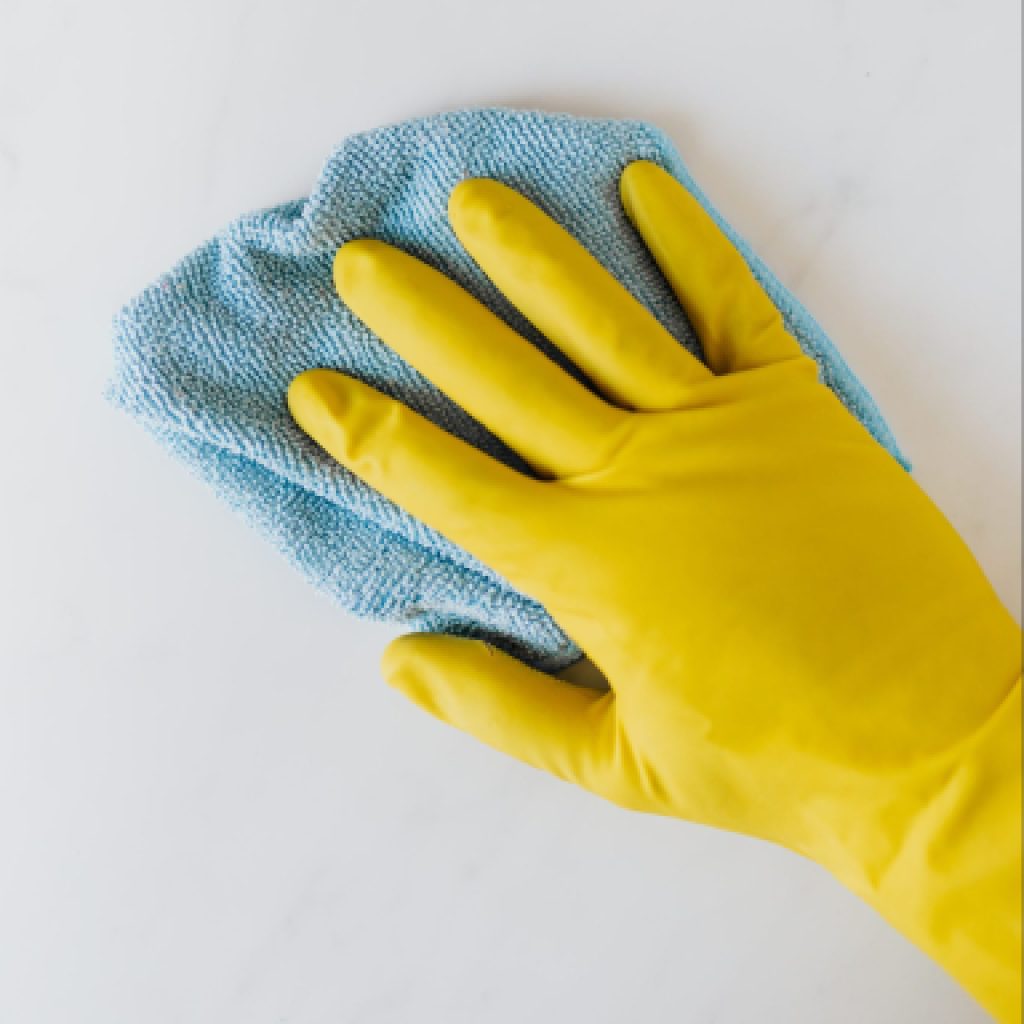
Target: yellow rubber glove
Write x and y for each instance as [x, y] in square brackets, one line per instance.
[798, 644]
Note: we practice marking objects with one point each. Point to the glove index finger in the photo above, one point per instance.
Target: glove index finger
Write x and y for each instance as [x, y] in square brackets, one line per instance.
[469, 497]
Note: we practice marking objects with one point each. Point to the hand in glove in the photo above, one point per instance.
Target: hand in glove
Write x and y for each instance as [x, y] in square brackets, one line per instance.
[798, 644]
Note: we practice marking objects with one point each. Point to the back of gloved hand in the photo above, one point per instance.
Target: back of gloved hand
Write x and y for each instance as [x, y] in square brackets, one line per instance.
[798, 644]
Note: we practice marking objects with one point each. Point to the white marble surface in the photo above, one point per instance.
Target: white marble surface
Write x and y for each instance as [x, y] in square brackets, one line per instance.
[211, 809]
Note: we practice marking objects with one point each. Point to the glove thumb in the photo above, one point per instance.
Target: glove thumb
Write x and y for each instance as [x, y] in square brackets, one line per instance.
[554, 725]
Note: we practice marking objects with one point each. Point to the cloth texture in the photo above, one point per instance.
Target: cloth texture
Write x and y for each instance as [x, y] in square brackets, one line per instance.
[204, 355]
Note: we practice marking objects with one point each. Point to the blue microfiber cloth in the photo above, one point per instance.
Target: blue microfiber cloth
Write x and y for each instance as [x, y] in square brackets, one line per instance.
[204, 355]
